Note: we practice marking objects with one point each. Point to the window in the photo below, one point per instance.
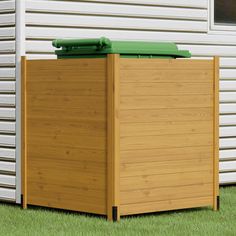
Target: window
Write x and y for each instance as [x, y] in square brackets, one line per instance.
[223, 15]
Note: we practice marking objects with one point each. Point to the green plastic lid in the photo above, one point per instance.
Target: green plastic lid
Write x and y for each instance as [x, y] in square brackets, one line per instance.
[103, 46]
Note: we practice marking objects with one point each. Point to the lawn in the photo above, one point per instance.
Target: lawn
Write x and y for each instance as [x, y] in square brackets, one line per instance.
[38, 221]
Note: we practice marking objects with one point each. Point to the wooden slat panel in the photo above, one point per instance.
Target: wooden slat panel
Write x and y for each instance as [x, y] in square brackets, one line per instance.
[165, 141]
[165, 154]
[227, 97]
[228, 131]
[174, 88]
[7, 100]
[228, 108]
[226, 85]
[7, 73]
[228, 120]
[88, 21]
[154, 115]
[115, 10]
[166, 193]
[66, 134]
[172, 166]
[7, 180]
[166, 180]
[158, 102]
[164, 128]
[166, 205]
[227, 143]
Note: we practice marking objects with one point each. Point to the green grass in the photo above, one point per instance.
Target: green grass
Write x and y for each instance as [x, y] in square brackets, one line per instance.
[41, 221]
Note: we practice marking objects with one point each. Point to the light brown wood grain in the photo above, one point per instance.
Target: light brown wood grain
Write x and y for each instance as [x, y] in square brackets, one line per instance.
[216, 133]
[24, 132]
[66, 130]
[113, 135]
[176, 191]
[166, 134]
[165, 205]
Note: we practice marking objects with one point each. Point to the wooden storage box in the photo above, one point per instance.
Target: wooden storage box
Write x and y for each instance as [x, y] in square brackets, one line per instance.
[119, 136]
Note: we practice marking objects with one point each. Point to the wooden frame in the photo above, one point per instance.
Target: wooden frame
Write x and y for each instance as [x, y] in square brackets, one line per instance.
[142, 152]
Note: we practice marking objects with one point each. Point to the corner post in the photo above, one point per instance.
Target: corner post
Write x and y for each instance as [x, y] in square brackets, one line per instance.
[23, 133]
[216, 198]
[113, 137]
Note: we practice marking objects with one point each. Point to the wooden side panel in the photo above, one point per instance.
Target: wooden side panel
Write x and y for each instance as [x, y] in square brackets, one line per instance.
[166, 134]
[66, 134]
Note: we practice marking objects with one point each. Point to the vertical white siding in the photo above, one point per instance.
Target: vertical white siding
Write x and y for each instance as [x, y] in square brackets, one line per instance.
[184, 22]
[7, 100]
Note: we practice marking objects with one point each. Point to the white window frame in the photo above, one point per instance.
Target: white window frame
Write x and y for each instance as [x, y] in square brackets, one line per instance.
[218, 28]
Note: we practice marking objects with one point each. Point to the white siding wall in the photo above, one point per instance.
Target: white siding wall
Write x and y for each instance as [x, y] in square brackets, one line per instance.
[182, 21]
[7, 100]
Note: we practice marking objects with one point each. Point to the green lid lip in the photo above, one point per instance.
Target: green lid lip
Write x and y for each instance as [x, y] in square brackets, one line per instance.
[102, 46]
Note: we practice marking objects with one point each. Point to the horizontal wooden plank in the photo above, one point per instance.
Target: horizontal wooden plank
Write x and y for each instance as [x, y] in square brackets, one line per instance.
[165, 167]
[71, 88]
[228, 97]
[7, 140]
[7, 100]
[172, 88]
[227, 119]
[7, 33]
[227, 166]
[183, 38]
[182, 203]
[7, 127]
[228, 178]
[227, 143]
[7, 194]
[111, 22]
[7, 166]
[158, 102]
[166, 193]
[7, 6]
[7, 86]
[165, 154]
[7, 113]
[7, 19]
[7, 180]
[157, 115]
[136, 75]
[7, 60]
[115, 10]
[180, 3]
[228, 154]
[7, 46]
[161, 141]
[55, 152]
[8, 154]
[7, 73]
[228, 131]
[168, 180]
[163, 128]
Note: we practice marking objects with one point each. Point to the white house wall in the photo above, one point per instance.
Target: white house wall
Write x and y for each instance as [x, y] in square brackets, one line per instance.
[7, 101]
[184, 22]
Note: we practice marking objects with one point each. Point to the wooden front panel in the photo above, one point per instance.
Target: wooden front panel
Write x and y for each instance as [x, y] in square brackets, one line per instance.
[166, 134]
[66, 134]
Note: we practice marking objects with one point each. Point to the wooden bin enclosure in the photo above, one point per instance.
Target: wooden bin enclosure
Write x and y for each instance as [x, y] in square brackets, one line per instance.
[119, 136]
